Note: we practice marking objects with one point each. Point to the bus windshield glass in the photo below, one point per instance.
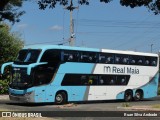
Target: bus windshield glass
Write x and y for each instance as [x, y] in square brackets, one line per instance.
[20, 79]
[27, 56]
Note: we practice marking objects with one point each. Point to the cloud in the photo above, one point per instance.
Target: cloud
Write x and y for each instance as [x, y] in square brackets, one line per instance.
[22, 26]
[56, 28]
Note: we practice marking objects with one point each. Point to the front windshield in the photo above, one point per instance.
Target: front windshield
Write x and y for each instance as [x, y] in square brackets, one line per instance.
[40, 75]
[20, 79]
[27, 56]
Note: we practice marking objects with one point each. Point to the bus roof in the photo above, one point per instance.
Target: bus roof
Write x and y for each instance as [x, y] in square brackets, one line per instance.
[45, 47]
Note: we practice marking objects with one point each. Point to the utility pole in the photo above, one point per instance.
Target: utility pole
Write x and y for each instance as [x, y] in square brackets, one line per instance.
[151, 47]
[71, 8]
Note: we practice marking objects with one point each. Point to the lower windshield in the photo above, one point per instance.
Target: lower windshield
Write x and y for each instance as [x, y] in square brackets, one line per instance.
[20, 79]
[27, 56]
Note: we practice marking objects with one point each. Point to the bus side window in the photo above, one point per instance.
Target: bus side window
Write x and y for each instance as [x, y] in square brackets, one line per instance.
[147, 62]
[101, 80]
[92, 57]
[136, 60]
[132, 60]
[125, 60]
[117, 60]
[51, 56]
[121, 80]
[112, 80]
[121, 59]
[102, 58]
[140, 62]
[84, 79]
[70, 56]
[84, 57]
[154, 61]
[109, 59]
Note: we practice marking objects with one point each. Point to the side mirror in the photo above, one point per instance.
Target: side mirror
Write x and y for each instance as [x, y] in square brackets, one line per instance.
[5, 65]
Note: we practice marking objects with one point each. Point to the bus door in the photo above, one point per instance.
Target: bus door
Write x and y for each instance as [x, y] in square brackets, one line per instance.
[42, 77]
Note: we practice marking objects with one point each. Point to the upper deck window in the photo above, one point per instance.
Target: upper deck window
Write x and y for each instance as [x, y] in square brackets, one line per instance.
[90, 57]
[51, 56]
[106, 58]
[121, 59]
[27, 56]
[70, 56]
[136, 60]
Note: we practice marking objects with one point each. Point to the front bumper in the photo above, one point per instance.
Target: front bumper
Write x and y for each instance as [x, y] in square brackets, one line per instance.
[24, 98]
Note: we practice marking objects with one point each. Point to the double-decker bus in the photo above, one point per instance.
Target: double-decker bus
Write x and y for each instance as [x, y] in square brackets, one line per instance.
[60, 74]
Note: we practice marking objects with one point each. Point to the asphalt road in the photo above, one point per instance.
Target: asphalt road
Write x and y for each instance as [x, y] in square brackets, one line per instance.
[111, 105]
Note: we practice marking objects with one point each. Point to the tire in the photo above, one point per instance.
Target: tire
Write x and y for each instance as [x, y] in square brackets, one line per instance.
[60, 98]
[138, 95]
[128, 96]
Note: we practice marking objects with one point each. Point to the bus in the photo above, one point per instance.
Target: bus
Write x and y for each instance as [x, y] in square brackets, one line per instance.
[61, 74]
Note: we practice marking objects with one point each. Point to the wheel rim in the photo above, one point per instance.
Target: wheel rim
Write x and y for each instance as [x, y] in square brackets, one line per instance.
[59, 98]
[128, 96]
[138, 96]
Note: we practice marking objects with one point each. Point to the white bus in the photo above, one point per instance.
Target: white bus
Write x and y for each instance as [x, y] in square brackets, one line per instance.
[51, 73]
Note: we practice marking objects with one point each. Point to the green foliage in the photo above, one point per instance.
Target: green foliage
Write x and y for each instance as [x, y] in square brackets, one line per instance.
[125, 105]
[156, 106]
[4, 86]
[9, 10]
[10, 44]
[153, 5]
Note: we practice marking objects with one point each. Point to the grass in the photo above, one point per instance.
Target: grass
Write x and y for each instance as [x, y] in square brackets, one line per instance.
[126, 105]
[156, 106]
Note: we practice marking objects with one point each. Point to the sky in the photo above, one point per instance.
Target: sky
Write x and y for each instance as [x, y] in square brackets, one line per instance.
[98, 25]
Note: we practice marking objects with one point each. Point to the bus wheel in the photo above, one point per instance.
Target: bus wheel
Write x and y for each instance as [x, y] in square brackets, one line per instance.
[60, 98]
[128, 96]
[138, 95]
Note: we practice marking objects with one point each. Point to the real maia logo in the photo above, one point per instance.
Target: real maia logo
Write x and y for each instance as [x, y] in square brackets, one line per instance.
[114, 69]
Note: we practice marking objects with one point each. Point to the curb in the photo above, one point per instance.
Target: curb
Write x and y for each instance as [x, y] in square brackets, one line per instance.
[4, 97]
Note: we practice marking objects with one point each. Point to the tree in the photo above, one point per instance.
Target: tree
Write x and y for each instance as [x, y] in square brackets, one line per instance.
[153, 5]
[10, 44]
[9, 10]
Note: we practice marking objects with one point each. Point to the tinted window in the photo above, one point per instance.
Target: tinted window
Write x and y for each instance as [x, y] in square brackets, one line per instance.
[136, 60]
[71, 56]
[147, 61]
[51, 56]
[122, 80]
[27, 56]
[90, 57]
[72, 79]
[106, 58]
[154, 61]
[89, 80]
[121, 59]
